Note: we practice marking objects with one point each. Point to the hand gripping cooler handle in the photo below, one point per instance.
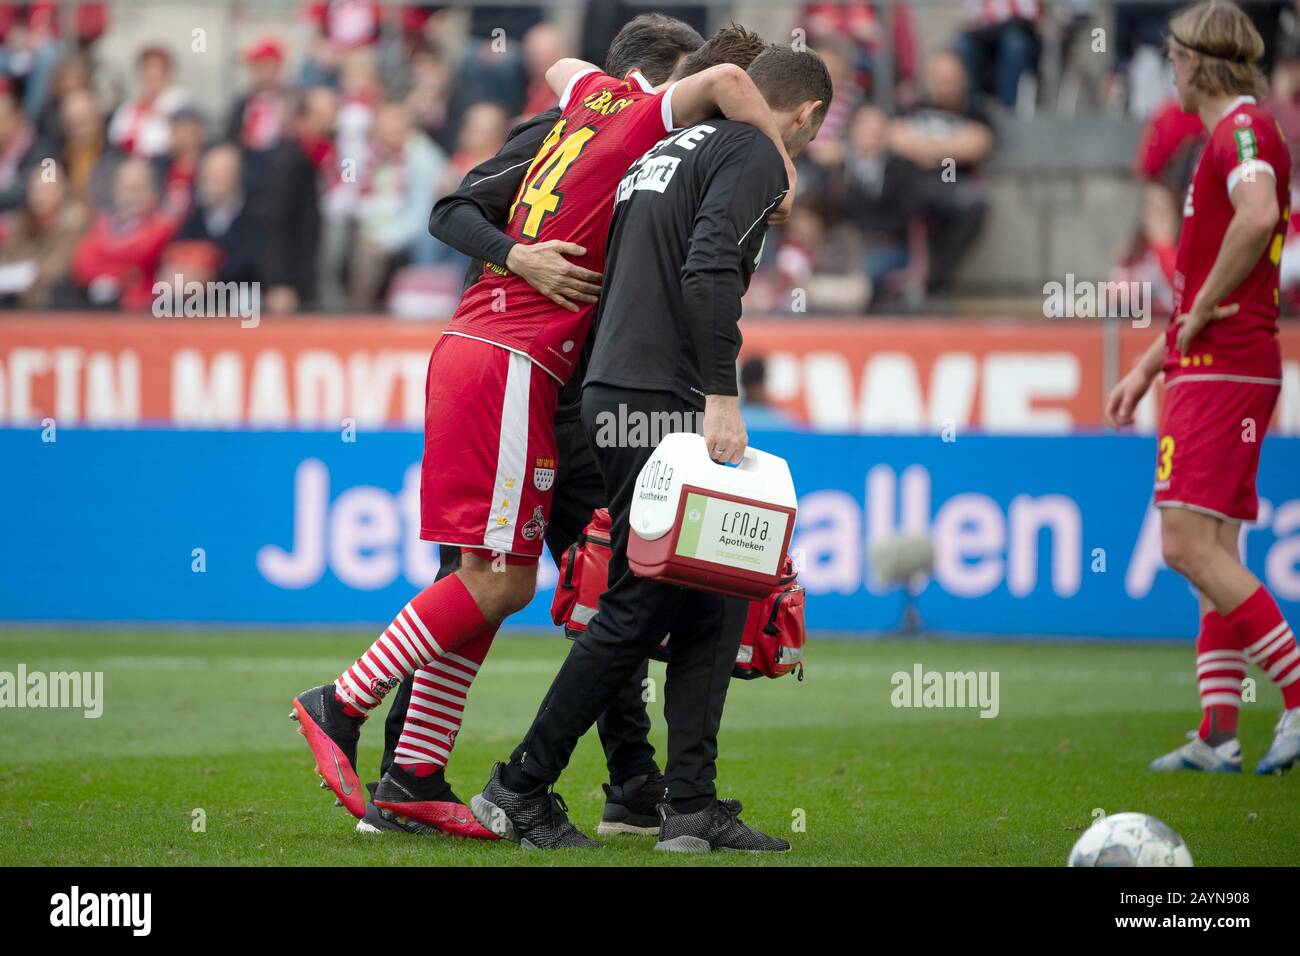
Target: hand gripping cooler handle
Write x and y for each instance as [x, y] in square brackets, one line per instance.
[752, 460]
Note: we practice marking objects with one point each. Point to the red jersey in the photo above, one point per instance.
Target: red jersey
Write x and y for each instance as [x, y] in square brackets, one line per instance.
[1246, 142]
[568, 193]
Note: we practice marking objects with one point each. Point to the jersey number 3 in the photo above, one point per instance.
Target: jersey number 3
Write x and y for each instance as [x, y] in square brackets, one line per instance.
[1165, 458]
[539, 193]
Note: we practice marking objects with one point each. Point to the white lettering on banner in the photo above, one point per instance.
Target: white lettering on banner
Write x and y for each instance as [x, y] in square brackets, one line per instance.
[893, 394]
[364, 532]
[1282, 566]
[889, 391]
[1013, 383]
[970, 537]
[419, 558]
[366, 537]
[884, 503]
[1288, 403]
[113, 388]
[1281, 561]
[830, 524]
[952, 389]
[977, 545]
[829, 393]
[1147, 558]
[107, 384]
[325, 386]
[268, 392]
[1028, 517]
[207, 392]
[319, 387]
[892, 399]
[371, 380]
[303, 566]
[24, 365]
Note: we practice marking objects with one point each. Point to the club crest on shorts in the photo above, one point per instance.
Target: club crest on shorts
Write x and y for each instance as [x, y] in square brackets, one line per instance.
[543, 473]
[535, 527]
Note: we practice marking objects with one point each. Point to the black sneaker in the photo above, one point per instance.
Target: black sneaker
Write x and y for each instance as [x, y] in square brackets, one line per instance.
[538, 822]
[378, 820]
[332, 736]
[716, 827]
[630, 807]
[427, 800]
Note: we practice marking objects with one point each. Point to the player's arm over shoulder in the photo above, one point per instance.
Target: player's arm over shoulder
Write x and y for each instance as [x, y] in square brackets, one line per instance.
[750, 160]
[767, 158]
[744, 181]
[698, 97]
[565, 75]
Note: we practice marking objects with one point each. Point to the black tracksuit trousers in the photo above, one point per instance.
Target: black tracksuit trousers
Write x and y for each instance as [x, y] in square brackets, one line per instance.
[633, 616]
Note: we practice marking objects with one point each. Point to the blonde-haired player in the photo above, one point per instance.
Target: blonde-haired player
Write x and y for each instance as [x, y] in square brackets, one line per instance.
[1223, 372]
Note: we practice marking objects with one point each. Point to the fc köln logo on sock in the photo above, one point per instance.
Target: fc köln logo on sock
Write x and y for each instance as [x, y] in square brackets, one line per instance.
[543, 473]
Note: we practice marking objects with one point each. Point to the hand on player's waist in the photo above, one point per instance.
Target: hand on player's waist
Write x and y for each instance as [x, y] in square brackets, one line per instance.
[543, 266]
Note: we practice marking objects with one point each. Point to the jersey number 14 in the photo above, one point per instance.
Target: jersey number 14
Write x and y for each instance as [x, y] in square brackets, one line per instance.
[539, 194]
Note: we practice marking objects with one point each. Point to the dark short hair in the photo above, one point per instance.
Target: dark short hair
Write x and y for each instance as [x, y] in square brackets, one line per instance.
[731, 44]
[753, 371]
[788, 77]
[651, 43]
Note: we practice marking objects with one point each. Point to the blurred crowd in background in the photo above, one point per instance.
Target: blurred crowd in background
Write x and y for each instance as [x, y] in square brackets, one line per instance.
[317, 180]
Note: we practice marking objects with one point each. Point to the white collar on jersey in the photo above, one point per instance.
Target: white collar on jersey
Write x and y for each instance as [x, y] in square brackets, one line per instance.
[644, 83]
[1239, 101]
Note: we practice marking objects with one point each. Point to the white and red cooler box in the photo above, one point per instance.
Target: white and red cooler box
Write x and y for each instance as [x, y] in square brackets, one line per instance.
[711, 527]
[708, 526]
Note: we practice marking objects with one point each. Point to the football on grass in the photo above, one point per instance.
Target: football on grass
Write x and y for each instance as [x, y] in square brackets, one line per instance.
[1130, 839]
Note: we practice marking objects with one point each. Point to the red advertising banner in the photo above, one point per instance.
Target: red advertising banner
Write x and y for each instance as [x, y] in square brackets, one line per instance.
[1039, 376]
[928, 374]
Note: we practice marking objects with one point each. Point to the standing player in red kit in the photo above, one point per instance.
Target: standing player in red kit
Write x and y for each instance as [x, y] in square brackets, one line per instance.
[493, 382]
[1223, 373]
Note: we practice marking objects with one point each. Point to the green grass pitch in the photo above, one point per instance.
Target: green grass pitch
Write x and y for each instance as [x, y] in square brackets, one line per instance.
[198, 720]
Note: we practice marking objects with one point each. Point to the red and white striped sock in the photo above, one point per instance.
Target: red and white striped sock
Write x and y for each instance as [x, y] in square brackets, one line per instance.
[438, 620]
[1220, 667]
[1269, 642]
[437, 706]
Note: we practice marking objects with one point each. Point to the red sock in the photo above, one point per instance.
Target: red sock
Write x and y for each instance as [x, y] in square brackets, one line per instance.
[1220, 666]
[1261, 629]
[439, 619]
[437, 706]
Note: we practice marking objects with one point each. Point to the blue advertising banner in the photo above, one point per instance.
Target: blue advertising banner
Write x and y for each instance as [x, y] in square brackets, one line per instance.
[1032, 536]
